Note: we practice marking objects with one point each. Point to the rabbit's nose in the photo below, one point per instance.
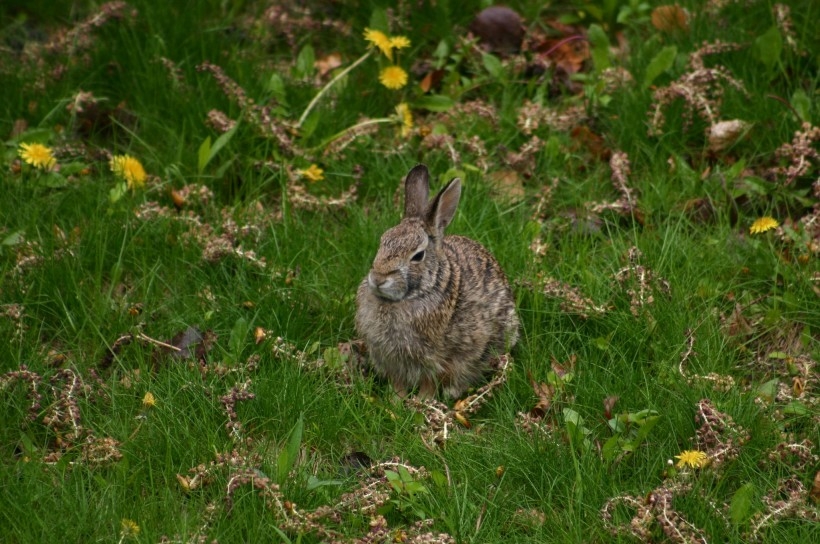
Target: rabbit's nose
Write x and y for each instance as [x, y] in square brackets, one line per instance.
[378, 281]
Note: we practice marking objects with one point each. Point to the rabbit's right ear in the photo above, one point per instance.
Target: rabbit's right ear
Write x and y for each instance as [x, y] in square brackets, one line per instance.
[443, 207]
[416, 191]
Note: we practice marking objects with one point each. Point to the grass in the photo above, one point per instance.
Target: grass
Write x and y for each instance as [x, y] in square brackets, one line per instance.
[274, 416]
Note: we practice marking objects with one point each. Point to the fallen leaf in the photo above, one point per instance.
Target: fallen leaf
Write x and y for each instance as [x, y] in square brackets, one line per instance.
[670, 18]
[726, 133]
[507, 185]
[178, 199]
[328, 63]
[544, 392]
[584, 138]
[431, 80]
[815, 488]
[462, 419]
[609, 404]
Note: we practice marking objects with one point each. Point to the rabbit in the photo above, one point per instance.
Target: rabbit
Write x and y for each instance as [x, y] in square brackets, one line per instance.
[433, 309]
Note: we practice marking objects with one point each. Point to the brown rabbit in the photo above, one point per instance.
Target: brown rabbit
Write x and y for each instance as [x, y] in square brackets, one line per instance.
[433, 308]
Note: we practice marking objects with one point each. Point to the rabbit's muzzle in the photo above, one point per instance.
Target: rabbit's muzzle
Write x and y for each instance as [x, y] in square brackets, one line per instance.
[387, 286]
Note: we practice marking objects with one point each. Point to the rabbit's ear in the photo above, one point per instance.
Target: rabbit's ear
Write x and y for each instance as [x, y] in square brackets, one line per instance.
[443, 207]
[416, 191]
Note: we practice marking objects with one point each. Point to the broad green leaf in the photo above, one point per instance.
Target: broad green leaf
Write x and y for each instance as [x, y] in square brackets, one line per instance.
[768, 47]
[610, 448]
[207, 151]
[646, 427]
[493, 65]
[741, 505]
[305, 62]
[14, 238]
[434, 102]
[287, 457]
[379, 20]
[659, 64]
[600, 47]
[204, 154]
[239, 333]
[802, 105]
[276, 85]
[795, 408]
[117, 192]
[768, 390]
[313, 482]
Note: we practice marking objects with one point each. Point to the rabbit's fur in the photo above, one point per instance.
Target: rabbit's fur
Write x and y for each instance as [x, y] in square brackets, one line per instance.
[434, 308]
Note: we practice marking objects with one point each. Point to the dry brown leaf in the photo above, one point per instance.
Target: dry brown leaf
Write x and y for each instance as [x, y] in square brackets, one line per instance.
[670, 18]
[431, 80]
[609, 405]
[562, 370]
[328, 63]
[726, 133]
[178, 199]
[544, 392]
[462, 419]
[815, 488]
[507, 184]
[584, 138]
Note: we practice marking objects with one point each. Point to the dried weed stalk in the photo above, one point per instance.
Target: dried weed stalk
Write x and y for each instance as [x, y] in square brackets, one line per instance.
[700, 88]
[572, 300]
[719, 438]
[261, 117]
[644, 282]
[56, 403]
[238, 393]
[800, 154]
[301, 199]
[439, 420]
[627, 204]
[325, 522]
[788, 500]
[531, 116]
[719, 382]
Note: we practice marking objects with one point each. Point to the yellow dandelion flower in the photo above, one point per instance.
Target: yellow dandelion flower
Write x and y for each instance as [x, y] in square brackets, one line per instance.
[393, 77]
[129, 527]
[379, 39]
[129, 169]
[313, 173]
[692, 458]
[148, 401]
[37, 155]
[763, 224]
[399, 42]
[405, 117]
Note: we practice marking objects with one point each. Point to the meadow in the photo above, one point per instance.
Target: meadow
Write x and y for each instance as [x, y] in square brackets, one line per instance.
[192, 193]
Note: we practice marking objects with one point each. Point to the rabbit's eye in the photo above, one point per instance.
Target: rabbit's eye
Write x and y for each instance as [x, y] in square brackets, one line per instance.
[418, 256]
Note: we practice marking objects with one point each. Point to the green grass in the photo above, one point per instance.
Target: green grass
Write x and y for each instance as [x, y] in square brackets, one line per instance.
[81, 269]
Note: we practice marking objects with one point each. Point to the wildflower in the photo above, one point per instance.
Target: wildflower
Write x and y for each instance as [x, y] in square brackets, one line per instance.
[405, 117]
[379, 39]
[399, 42]
[129, 527]
[148, 401]
[37, 155]
[130, 169]
[393, 77]
[692, 458]
[313, 173]
[763, 224]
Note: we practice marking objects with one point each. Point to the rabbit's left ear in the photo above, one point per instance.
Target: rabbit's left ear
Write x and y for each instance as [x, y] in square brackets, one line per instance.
[416, 191]
[443, 207]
